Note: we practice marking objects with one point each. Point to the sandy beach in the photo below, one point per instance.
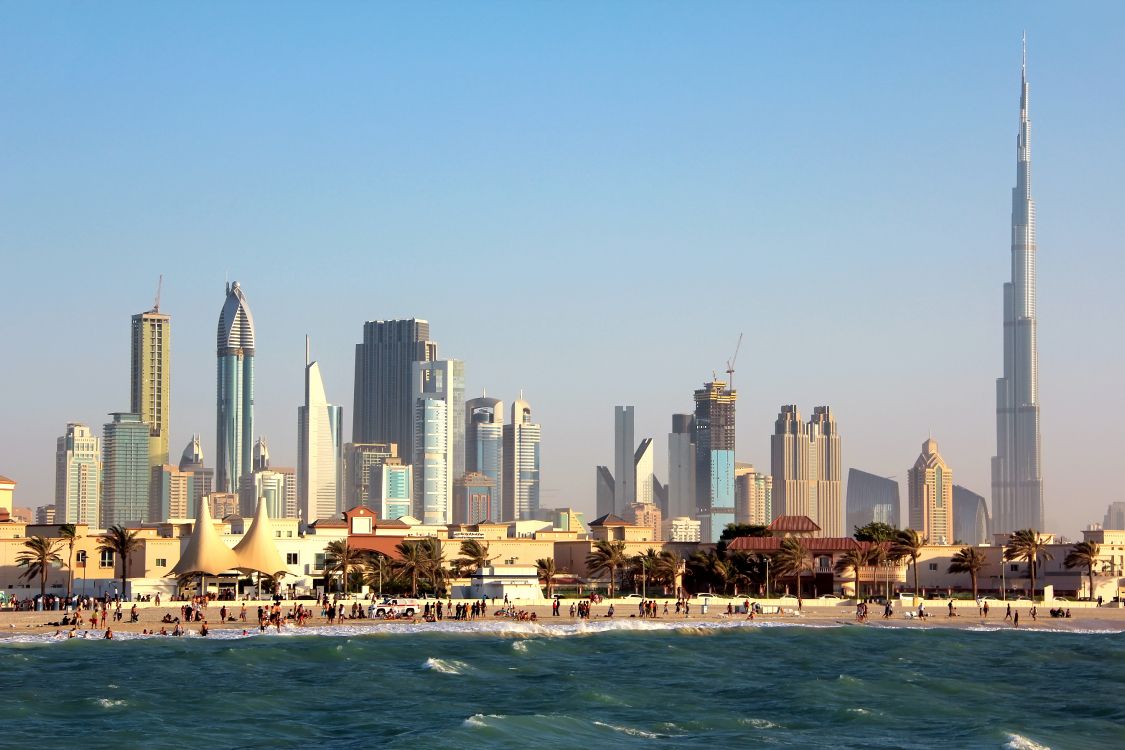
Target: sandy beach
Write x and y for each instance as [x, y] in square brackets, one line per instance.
[1104, 619]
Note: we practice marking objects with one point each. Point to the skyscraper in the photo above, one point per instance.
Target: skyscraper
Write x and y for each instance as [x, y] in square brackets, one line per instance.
[805, 462]
[436, 386]
[203, 479]
[970, 517]
[521, 464]
[361, 472]
[484, 443]
[624, 488]
[1017, 476]
[78, 476]
[384, 390]
[150, 378]
[235, 392]
[126, 475]
[714, 458]
[1114, 516]
[753, 495]
[643, 479]
[604, 491]
[930, 483]
[681, 467]
[871, 498]
[320, 428]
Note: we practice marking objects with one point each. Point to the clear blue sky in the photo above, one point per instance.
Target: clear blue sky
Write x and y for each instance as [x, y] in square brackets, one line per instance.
[587, 201]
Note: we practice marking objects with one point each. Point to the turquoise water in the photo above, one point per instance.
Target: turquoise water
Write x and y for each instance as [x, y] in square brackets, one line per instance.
[516, 686]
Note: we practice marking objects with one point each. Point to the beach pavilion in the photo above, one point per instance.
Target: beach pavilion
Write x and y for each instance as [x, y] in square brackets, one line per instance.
[207, 555]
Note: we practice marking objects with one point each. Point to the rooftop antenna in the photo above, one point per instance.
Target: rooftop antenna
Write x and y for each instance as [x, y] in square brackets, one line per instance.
[1023, 64]
[159, 286]
[730, 364]
[306, 350]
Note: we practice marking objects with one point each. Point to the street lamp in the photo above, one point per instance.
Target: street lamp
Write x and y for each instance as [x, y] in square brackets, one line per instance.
[767, 577]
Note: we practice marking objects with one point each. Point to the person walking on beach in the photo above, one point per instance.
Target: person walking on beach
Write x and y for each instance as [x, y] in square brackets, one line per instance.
[1008, 614]
[978, 606]
[986, 609]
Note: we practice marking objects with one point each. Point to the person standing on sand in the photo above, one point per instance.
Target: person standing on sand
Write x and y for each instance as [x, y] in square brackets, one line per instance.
[1016, 620]
[986, 609]
[1008, 614]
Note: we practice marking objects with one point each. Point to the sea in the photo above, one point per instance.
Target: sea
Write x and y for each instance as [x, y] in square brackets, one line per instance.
[621, 684]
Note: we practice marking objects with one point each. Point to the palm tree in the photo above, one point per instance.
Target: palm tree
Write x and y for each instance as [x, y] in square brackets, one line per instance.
[1028, 545]
[968, 560]
[39, 554]
[855, 560]
[792, 559]
[435, 564]
[669, 566]
[546, 569]
[339, 557]
[121, 542]
[413, 561]
[68, 532]
[1084, 555]
[378, 570]
[607, 556]
[909, 543]
[474, 556]
[643, 566]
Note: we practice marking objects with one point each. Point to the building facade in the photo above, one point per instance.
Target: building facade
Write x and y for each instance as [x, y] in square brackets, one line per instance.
[361, 471]
[624, 446]
[203, 479]
[437, 386]
[484, 442]
[753, 495]
[714, 457]
[1017, 476]
[475, 500]
[681, 467]
[930, 483]
[396, 490]
[521, 464]
[383, 407]
[971, 522]
[150, 378]
[805, 460]
[872, 498]
[126, 475]
[234, 428]
[1114, 516]
[78, 476]
[320, 428]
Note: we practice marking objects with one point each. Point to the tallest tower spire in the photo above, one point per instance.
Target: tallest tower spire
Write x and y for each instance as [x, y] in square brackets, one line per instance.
[1017, 479]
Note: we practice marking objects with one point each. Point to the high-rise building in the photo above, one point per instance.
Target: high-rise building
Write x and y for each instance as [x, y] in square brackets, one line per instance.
[320, 430]
[521, 464]
[648, 516]
[203, 479]
[484, 443]
[126, 475]
[624, 487]
[753, 495]
[260, 457]
[871, 498]
[660, 495]
[681, 467]
[274, 488]
[970, 517]
[805, 461]
[827, 491]
[1017, 475]
[1115, 517]
[45, 515]
[681, 529]
[292, 508]
[714, 457]
[361, 471]
[930, 483]
[170, 493]
[396, 489]
[604, 491]
[474, 495]
[384, 389]
[235, 392]
[436, 386]
[150, 381]
[7, 496]
[78, 476]
[643, 478]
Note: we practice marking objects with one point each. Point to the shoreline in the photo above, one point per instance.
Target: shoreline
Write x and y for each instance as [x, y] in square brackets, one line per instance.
[23, 625]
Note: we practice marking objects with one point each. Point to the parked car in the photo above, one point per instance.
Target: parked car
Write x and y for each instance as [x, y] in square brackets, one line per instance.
[830, 597]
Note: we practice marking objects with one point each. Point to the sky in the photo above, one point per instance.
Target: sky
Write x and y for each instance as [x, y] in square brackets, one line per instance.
[588, 201]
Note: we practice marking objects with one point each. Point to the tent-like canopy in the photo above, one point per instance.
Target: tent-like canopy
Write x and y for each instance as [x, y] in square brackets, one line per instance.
[257, 552]
[205, 551]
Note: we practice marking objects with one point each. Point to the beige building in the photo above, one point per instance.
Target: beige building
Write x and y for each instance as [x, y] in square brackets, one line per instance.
[753, 495]
[151, 378]
[805, 461]
[647, 515]
[681, 529]
[7, 493]
[930, 484]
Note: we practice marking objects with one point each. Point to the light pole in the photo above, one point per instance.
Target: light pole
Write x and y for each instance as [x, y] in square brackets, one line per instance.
[767, 577]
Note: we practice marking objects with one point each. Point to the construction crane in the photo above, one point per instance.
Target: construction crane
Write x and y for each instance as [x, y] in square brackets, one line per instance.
[730, 364]
[159, 286]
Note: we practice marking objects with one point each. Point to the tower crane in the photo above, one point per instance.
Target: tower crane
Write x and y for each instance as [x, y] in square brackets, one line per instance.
[730, 363]
[159, 286]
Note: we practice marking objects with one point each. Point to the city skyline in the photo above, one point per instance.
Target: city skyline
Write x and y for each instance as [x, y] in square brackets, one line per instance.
[874, 386]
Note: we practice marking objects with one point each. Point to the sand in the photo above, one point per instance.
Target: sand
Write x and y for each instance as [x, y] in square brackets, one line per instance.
[1085, 619]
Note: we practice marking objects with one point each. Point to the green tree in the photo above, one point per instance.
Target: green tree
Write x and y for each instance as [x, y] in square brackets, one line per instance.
[474, 556]
[68, 532]
[340, 557]
[607, 556]
[38, 555]
[968, 560]
[1084, 555]
[855, 559]
[545, 566]
[379, 572]
[908, 543]
[122, 543]
[413, 562]
[733, 531]
[668, 568]
[876, 531]
[1028, 545]
[435, 564]
[792, 559]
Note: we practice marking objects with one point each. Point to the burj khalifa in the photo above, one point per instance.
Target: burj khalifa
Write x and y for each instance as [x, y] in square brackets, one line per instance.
[1017, 474]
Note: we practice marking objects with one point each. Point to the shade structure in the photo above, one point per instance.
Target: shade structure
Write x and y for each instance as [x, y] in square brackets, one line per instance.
[257, 552]
[205, 551]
